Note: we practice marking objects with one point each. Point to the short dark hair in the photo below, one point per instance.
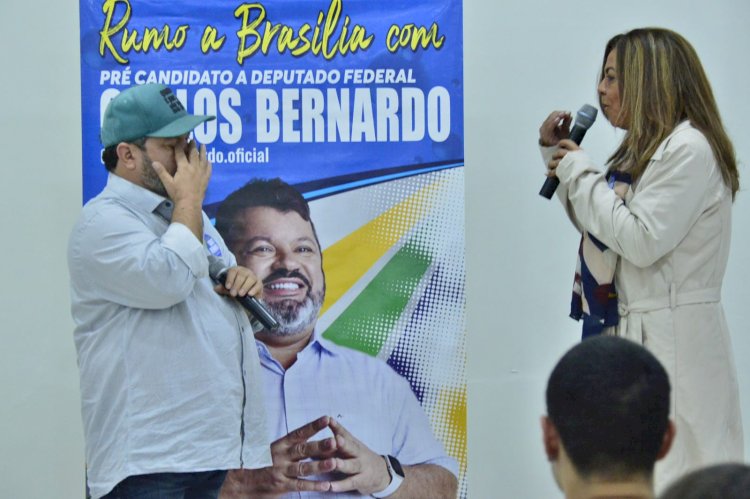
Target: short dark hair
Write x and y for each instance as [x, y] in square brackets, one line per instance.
[109, 154]
[721, 481]
[272, 193]
[608, 398]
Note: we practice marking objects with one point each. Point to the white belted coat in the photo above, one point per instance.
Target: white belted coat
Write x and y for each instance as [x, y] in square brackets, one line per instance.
[672, 234]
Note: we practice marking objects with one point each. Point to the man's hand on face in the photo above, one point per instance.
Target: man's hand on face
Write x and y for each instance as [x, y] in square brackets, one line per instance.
[290, 455]
[190, 180]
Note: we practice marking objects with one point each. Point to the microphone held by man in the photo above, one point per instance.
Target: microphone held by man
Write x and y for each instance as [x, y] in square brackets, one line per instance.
[218, 272]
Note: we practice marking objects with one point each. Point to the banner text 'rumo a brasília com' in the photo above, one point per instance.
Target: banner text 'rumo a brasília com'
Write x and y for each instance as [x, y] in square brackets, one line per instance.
[359, 106]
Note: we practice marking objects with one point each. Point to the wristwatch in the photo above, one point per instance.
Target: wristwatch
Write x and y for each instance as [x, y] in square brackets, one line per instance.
[397, 476]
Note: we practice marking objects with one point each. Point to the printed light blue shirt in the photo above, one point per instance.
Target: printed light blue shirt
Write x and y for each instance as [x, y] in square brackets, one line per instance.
[170, 380]
[371, 400]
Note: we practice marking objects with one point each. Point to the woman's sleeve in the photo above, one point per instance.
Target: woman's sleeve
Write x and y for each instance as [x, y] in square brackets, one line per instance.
[670, 197]
[562, 190]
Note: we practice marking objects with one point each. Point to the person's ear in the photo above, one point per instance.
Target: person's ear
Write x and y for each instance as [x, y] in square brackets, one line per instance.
[666, 442]
[125, 155]
[551, 439]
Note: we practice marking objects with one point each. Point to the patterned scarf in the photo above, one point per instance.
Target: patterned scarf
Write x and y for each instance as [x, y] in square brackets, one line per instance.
[594, 294]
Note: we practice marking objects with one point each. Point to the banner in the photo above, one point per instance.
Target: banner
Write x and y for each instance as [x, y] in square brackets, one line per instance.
[359, 106]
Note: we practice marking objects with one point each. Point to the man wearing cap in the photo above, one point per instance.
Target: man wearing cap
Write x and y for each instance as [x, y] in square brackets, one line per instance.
[169, 371]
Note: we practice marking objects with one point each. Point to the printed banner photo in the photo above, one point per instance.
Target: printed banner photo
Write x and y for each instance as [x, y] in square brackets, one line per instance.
[358, 107]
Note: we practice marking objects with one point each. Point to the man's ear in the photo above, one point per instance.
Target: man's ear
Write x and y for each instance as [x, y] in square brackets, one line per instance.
[551, 439]
[125, 155]
[666, 442]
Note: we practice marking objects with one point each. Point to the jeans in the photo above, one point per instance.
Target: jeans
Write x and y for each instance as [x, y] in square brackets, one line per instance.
[199, 485]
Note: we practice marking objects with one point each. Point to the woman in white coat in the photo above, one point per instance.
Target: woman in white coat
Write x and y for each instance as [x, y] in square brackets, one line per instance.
[669, 230]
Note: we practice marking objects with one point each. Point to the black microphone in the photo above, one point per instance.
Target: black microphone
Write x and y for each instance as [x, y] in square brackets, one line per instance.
[584, 119]
[218, 273]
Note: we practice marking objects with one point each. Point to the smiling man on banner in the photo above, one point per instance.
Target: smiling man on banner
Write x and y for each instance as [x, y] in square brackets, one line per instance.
[375, 439]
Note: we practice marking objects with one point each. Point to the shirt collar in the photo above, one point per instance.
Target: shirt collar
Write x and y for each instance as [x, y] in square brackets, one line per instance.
[317, 344]
[323, 344]
[141, 197]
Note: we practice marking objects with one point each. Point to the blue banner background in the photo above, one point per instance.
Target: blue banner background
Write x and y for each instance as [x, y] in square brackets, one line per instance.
[387, 203]
[317, 167]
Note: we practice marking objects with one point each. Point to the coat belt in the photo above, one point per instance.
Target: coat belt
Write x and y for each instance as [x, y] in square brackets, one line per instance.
[672, 300]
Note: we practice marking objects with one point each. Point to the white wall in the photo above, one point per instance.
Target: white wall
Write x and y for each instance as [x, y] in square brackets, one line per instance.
[522, 59]
[41, 442]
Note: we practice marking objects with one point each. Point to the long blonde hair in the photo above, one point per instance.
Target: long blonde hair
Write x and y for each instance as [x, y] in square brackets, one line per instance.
[662, 83]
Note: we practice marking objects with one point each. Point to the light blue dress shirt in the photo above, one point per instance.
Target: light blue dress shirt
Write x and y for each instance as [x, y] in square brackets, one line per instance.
[373, 402]
[170, 377]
